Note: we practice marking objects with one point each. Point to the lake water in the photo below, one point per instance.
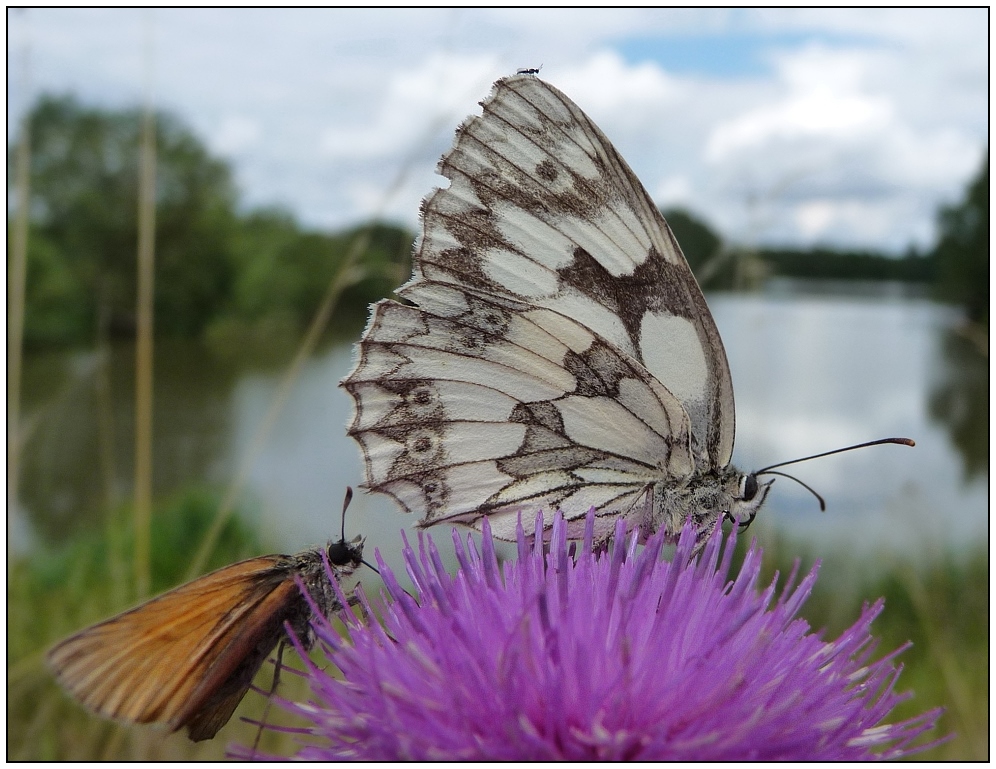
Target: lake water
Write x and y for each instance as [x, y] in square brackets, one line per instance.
[811, 373]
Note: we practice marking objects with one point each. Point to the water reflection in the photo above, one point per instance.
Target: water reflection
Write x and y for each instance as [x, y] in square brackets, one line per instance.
[79, 414]
[810, 373]
[815, 373]
[959, 398]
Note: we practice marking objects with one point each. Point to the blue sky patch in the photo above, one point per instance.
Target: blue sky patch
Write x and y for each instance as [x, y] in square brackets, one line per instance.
[721, 55]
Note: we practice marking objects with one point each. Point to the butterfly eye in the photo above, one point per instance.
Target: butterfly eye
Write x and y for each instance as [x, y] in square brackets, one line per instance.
[750, 487]
[340, 553]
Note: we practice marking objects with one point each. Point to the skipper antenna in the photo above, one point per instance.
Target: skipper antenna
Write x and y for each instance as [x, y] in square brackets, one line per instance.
[345, 549]
[345, 504]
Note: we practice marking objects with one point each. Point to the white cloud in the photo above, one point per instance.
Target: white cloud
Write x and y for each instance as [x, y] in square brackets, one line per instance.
[814, 217]
[824, 101]
[319, 108]
[411, 105]
[235, 135]
[611, 87]
[836, 150]
[674, 190]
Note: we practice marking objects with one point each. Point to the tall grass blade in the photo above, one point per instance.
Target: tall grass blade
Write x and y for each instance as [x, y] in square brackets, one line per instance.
[15, 300]
[143, 353]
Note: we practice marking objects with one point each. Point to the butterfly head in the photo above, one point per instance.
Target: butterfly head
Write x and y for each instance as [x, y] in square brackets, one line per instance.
[346, 556]
[747, 497]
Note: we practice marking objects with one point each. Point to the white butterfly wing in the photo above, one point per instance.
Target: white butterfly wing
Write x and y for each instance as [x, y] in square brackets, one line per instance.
[543, 209]
[560, 352]
[471, 405]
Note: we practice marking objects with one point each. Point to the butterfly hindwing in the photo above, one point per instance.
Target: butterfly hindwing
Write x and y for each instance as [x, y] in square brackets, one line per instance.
[484, 405]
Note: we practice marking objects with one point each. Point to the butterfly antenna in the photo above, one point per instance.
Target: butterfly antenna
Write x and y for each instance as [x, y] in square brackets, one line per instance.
[345, 504]
[901, 441]
[769, 470]
[823, 504]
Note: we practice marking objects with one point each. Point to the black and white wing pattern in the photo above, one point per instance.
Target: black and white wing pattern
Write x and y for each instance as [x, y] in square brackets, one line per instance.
[557, 353]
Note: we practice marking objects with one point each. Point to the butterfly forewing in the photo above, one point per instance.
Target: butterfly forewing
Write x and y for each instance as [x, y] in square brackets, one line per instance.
[244, 648]
[559, 353]
[543, 209]
[163, 660]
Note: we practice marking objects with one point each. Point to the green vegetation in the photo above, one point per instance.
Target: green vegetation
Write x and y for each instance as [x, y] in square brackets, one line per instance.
[216, 268]
[941, 606]
[81, 259]
[282, 272]
[829, 264]
[57, 592]
[962, 252]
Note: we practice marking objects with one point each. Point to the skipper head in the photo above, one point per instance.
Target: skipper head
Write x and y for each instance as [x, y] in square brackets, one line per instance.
[346, 556]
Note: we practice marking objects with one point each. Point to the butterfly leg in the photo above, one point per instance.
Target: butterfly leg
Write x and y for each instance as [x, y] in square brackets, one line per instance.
[742, 524]
[269, 697]
[354, 601]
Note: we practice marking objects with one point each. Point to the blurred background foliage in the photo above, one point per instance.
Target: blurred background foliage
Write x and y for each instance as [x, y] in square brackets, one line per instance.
[230, 278]
[216, 266]
[962, 251]
[220, 269]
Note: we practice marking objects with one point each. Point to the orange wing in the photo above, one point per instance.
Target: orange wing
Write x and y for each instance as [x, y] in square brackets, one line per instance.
[174, 658]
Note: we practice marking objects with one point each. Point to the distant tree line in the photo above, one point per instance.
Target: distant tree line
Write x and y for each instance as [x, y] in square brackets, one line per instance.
[957, 266]
[220, 268]
[215, 265]
[716, 264]
[825, 263]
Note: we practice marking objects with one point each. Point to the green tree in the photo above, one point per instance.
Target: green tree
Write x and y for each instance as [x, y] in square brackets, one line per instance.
[267, 288]
[384, 265]
[714, 265]
[962, 251]
[282, 272]
[699, 243]
[832, 264]
[81, 269]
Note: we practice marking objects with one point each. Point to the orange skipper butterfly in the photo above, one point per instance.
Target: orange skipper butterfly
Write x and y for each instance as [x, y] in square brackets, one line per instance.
[187, 657]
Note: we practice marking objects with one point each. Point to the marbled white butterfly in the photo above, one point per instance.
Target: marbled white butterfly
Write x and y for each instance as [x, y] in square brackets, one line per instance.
[556, 352]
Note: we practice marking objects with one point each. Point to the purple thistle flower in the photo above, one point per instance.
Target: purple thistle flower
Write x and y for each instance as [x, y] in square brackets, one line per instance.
[615, 655]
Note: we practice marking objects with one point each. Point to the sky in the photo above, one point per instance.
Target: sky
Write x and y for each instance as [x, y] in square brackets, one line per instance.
[846, 128]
